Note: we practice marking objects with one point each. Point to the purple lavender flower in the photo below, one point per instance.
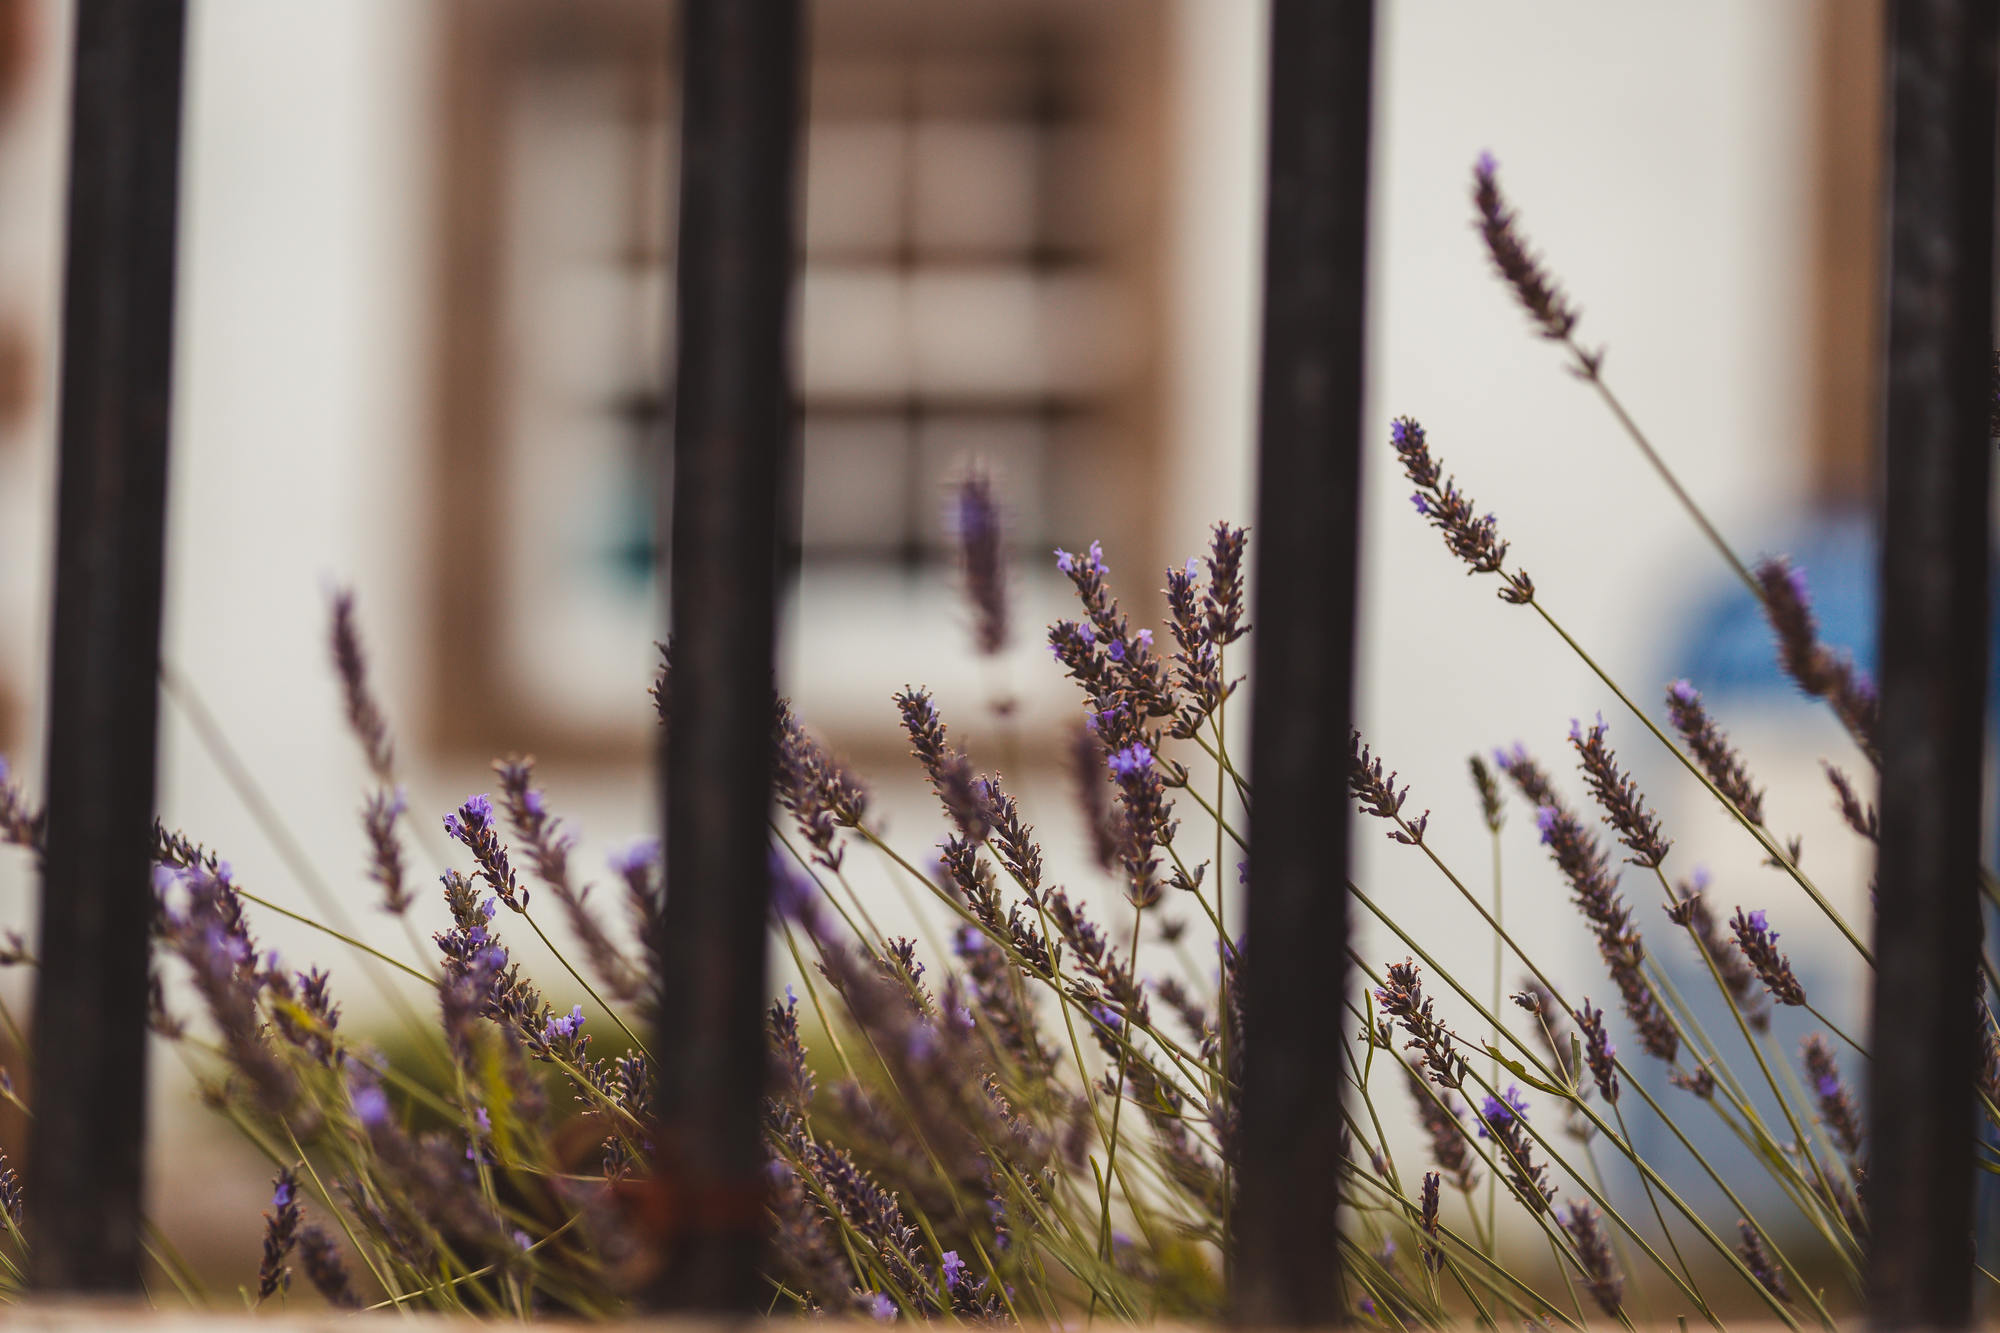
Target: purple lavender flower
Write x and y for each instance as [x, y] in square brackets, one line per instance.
[1433, 1253]
[1758, 1260]
[378, 818]
[882, 1308]
[1593, 1252]
[1402, 998]
[1594, 889]
[364, 716]
[636, 857]
[1738, 977]
[1439, 1113]
[1598, 1052]
[1498, 1112]
[1379, 796]
[547, 844]
[1815, 668]
[949, 768]
[320, 1257]
[1548, 309]
[472, 825]
[1859, 814]
[1759, 944]
[1225, 585]
[281, 1228]
[982, 557]
[563, 1028]
[1712, 750]
[371, 1106]
[1618, 796]
[1836, 1108]
[1131, 761]
[1472, 538]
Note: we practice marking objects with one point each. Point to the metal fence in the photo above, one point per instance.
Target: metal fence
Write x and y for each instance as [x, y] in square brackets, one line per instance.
[736, 246]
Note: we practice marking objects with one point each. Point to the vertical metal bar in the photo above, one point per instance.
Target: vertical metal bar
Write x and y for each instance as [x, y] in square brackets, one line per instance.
[1935, 549]
[87, 1155]
[1286, 1261]
[739, 127]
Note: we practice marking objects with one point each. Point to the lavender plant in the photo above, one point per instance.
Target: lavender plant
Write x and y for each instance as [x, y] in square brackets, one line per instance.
[1033, 1116]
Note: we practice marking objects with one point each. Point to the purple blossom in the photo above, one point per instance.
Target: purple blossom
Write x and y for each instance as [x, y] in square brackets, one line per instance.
[371, 1106]
[882, 1308]
[637, 857]
[1423, 505]
[1545, 820]
[1131, 761]
[954, 1268]
[1498, 1113]
[558, 1028]
[283, 1195]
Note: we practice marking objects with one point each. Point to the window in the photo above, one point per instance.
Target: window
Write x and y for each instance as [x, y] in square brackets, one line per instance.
[980, 198]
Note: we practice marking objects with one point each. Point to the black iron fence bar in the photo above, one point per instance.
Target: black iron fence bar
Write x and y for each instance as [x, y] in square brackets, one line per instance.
[739, 131]
[1285, 1266]
[87, 1154]
[1935, 549]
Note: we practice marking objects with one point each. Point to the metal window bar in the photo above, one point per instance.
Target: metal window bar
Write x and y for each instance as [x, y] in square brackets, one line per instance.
[1286, 1263]
[87, 1158]
[739, 128]
[1935, 552]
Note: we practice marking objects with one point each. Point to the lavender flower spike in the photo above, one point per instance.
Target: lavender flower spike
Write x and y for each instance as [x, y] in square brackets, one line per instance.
[1472, 537]
[1594, 889]
[472, 824]
[1379, 796]
[1440, 1116]
[1814, 667]
[364, 715]
[378, 818]
[1598, 1052]
[1402, 998]
[1760, 946]
[1623, 804]
[1548, 308]
[1433, 1253]
[1504, 1121]
[1712, 750]
[1758, 1260]
[1836, 1107]
[976, 521]
[1593, 1251]
[319, 1255]
[281, 1228]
